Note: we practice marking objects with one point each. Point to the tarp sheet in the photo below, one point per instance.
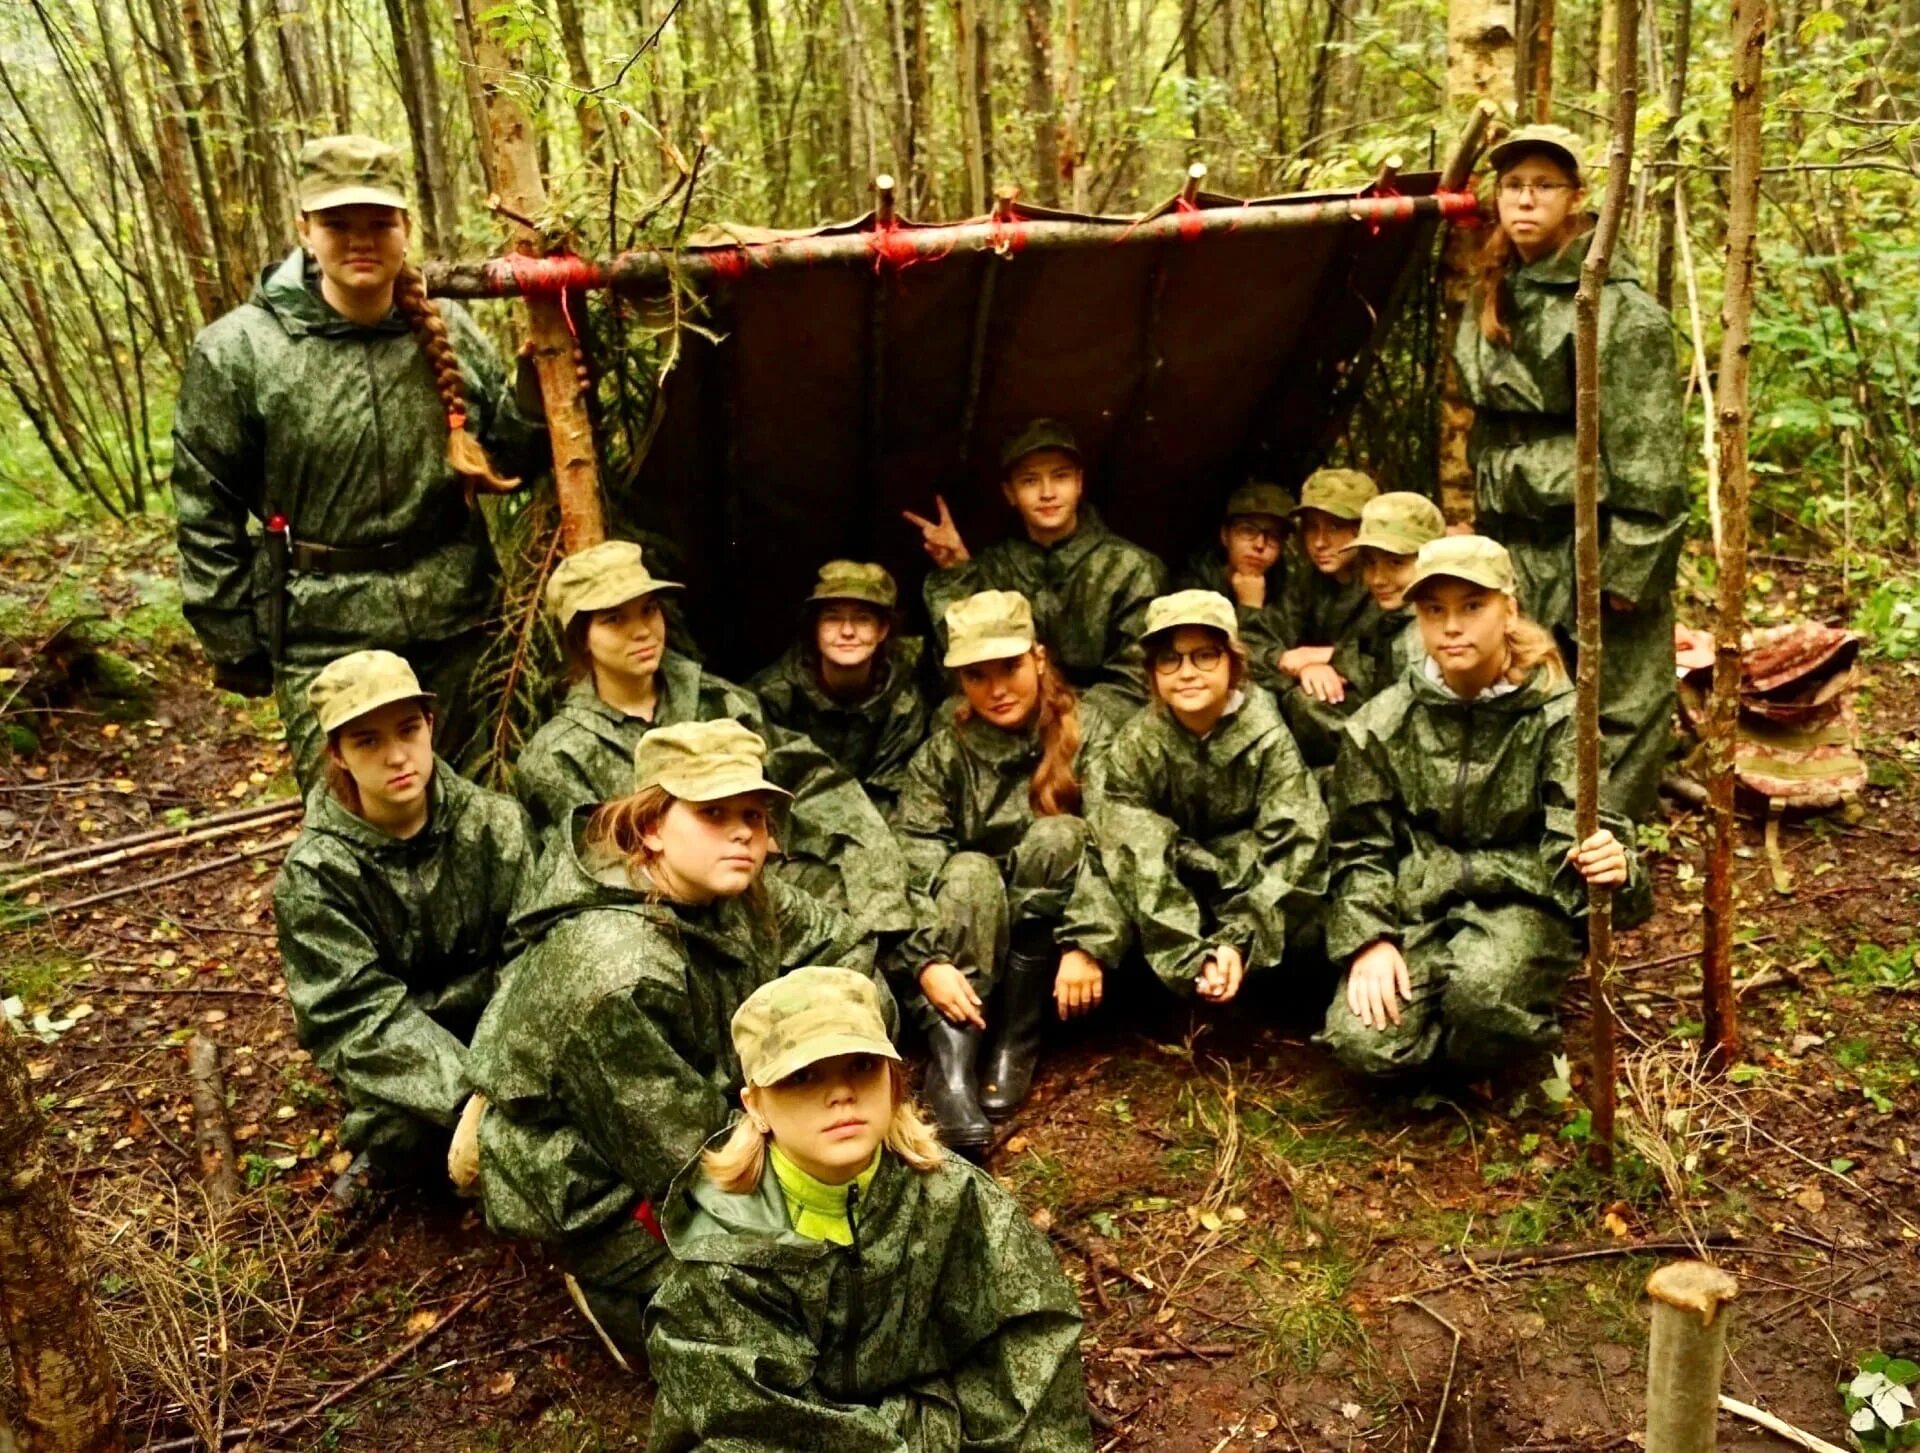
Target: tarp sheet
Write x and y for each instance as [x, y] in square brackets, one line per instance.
[839, 395]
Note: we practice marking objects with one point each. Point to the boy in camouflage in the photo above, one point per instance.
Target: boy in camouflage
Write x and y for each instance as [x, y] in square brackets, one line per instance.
[628, 680]
[1250, 567]
[1323, 606]
[1459, 892]
[1007, 877]
[1211, 828]
[605, 1058]
[839, 1281]
[1515, 356]
[392, 913]
[851, 683]
[326, 446]
[1088, 587]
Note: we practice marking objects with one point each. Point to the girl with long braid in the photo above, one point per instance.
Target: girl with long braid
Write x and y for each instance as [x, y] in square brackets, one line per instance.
[330, 438]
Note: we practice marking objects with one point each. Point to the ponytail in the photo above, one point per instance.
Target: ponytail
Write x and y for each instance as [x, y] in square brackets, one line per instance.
[465, 454]
[1531, 645]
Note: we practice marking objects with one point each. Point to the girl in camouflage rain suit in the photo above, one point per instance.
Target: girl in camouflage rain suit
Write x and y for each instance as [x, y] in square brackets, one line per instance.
[392, 913]
[840, 1283]
[1458, 892]
[1211, 828]
[605, 1059]
[1009, 888]
[1515, 355]
[628, 681]
[327, 445]
[851, 684]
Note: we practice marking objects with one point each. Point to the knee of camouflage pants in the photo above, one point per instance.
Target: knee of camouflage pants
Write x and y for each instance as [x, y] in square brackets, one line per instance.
[1395, 1051]
[401, 1147]
[1505, 970]
[1049, 855]
[972, 902]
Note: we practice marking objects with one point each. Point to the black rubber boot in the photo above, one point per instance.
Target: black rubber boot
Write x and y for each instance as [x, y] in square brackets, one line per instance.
[952, 1087]
[1020, 1015]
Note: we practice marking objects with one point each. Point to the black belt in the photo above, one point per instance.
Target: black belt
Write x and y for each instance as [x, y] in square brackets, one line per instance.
[307, 557]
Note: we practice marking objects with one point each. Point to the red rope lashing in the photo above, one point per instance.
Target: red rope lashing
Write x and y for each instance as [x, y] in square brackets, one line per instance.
[728, 263]
[891, 249]
[541, 275]
[1190, 226]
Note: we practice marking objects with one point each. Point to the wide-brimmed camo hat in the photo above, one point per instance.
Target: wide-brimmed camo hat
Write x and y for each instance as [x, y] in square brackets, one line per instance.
[342, 171]
[362, 682]
[805, 1016]
[599, 578]
[991, 626]
[703, 761]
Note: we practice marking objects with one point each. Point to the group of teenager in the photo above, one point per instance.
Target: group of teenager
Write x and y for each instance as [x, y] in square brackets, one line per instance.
[648, 1007]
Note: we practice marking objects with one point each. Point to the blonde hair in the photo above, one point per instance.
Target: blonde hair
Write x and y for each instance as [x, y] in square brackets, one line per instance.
[619, 829]
[466, 456]
[740, 1162]
[1530, 645]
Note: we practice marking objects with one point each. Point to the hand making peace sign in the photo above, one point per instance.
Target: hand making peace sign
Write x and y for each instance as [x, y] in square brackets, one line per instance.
[940, 538]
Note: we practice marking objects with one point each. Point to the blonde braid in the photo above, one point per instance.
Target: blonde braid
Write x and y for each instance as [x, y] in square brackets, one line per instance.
[465, 454]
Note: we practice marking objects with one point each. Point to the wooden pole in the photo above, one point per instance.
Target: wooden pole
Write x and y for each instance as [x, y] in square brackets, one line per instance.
[1720, 1044]
[520, 197]
[1686, 1351]
[212, 1134]
[1586, 534]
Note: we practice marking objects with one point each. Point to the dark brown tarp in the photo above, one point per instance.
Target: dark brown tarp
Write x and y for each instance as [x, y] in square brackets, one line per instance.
[840, 394]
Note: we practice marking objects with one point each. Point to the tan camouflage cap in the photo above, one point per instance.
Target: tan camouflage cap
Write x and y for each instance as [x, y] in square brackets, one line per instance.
[1192, 608]
[703, 761]
[990, 626]
[359, 683]
[1257, 497]
[599, 578]
[805, 1016]
[1556, 140]
[1342, 493]
[340, 171]
[1472, 558]
[1399, 522]
[1038, 435]
[856, 580]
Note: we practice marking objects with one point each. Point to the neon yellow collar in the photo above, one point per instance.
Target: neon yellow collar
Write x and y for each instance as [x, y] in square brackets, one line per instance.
[816, 1209]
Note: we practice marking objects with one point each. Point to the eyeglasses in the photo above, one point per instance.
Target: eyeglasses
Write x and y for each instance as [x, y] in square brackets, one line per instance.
[1166, 662]
[1517, 188]
[1247, 533]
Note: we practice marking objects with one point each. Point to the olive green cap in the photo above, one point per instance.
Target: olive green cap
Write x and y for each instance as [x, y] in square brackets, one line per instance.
[1192, 608]
[1399, 522]
[703, 761]
[1257, 497]
[1038, 435]
[856, 580]
[340, 171]
[990, 626]
[1556, 139]
[359, 683]
[805, 1016]
[599, 578]
[1342, 493]
[1472, 558]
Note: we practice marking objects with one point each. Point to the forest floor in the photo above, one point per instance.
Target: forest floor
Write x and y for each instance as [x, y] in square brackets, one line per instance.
[1269, 1256]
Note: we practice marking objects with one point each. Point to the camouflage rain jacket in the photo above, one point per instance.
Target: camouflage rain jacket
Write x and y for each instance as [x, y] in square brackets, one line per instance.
[1089, 595]
[1378, 652]
[946, 1326]
[1522, 444]
[287, 407]
[1235, 810]
[1318, 610]
[872, 740]
[607, 1058]
[1438, 801]
[584, 755]
[966, 791]
[1262, 627]
[392, 945]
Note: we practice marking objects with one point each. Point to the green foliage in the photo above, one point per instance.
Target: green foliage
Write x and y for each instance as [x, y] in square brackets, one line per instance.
[1879, 1404]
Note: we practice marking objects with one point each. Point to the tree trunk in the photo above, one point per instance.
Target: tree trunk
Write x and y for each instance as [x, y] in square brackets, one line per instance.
[263, 157]
[299, 68]
[1540, 56]
[476, 99]
[1480, 46]
[1045, 180]
[586, 110]
[1073, 146]
[1192, 65]
[523, 193]
[433, 116]
[226, 198]
[766, 90]
[185, 117]
[409, 61]
[1670, 152]
[973, 142]
[61, 1367]
[1720, 1044]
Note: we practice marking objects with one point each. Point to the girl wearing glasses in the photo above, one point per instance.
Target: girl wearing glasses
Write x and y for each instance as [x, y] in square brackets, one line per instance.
[1016, 912]
[850, 683]
[1515, 354]
[1210, 824]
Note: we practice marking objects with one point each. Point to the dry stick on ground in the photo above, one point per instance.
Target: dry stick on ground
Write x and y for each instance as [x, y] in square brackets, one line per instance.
[1687, 955]
[1519, 1255]
[283, 841]
[1586, 535]
[1453, 1361]
[231, 990]
[211, 1131]
[134, 840]
[148, 849]
[1720, 1043]
[1777, 1426]
[340, 1394]
[1201, 1350]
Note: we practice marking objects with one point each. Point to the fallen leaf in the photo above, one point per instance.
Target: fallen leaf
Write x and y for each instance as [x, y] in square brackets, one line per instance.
[1812, 1200]
[500, 1384]
[110, 730]
[284, 1112]
[339, 1161]
[1210, 1219]
[1042, 1219]
[125, 785]
[1615, 1226]
[214, 1016]
[239, 789]
[420, 1321]
[251, 1129]
[1018, 1144]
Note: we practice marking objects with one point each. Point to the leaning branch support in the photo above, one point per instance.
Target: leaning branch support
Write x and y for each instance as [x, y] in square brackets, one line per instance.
[1586, 537]
[900, 246]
